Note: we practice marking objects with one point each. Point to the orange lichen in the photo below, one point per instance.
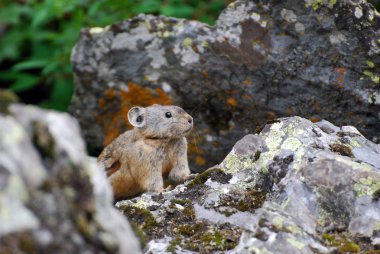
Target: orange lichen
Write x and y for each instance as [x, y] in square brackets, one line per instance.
[116, 103]
[246, 97]
[341, 71]
[232, 102]
[290, 110]
[270, 115]
[231, 91]
[315, 119]
[200, 161]
[205, 74]
[317, 107]
[101, 103]
[193, 143]
[248, 82]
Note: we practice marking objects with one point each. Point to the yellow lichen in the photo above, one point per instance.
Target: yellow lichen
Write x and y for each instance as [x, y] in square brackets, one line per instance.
[233, 163]
[366, 186]
[187, 42]
[370, 64]
[295, 243]
[291, 144]
[96, 30]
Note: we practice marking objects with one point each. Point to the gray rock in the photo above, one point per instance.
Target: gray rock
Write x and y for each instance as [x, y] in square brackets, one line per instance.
[297, 187]
[53, 197]
[263, 59]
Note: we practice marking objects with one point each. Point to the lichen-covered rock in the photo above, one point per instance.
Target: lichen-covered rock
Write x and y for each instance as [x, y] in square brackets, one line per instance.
[53, 197]
[297, 187]
[264, 59]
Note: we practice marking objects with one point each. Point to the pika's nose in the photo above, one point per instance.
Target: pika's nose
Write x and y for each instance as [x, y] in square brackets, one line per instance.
[190, 120]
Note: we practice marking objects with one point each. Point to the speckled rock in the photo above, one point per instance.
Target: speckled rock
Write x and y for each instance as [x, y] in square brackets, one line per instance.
[318, 59]
[297, 187]
[53, 197]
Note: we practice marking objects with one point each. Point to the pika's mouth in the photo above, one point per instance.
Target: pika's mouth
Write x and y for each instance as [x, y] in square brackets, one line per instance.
[188, 129]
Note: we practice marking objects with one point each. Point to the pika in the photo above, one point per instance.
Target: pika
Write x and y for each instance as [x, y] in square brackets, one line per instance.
[153, 152]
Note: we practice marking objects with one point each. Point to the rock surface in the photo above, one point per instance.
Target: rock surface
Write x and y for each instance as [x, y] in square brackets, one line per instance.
[53, 197]
[297, 187]
[318, 59]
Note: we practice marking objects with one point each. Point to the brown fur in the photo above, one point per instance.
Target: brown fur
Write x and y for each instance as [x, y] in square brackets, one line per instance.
[154, 151]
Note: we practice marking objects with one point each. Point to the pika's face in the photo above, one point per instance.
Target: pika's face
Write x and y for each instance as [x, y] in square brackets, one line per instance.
[161, 121]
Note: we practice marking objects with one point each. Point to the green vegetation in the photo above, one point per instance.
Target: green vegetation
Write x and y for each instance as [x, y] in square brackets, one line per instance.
[37, 37]
[343, 244]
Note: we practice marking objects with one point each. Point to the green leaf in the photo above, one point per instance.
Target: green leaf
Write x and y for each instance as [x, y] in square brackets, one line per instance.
[9, 75]
[178, 11]
[148, 6]
[30, 64]
[95, 7]
[42, 15]
[207, 19]
[10, 44]
[61, 95]
[9, 15]
[51, 67]
[24, 82]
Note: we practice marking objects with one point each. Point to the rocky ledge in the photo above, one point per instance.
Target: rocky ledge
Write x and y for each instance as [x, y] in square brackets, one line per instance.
[296, 187]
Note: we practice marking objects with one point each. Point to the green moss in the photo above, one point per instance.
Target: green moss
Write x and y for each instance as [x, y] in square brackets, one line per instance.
[341, 149]
[372, 252]
[227, 213]
[139, 233]
[186, 230]
[203, 177]
[242, 206]
[141, 216]
[316, 4]
[341, 241]
[189, 212]
[349, 247]
[181, 201]
[173, 244]
[330, 239]
[244, 201]
[216, 241]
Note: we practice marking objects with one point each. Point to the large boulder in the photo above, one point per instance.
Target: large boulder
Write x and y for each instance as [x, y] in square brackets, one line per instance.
[53, 197]
[262, 60]
[297, 187]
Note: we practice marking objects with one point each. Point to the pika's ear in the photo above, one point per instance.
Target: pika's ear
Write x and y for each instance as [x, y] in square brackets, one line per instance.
[136, 116]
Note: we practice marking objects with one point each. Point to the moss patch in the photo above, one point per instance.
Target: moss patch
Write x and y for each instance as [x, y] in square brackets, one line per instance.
[344, 243]
[215, 174]
[204, 238]
[141, 217]
[341, 149]
[247, 201]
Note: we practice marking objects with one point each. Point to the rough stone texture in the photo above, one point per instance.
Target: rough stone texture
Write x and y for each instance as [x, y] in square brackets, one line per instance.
[297, 187]
[264, 59]
[53, 197]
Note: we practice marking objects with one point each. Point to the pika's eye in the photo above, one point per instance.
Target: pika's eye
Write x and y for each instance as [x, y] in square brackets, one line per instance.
[139, 119]
[168, 114]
